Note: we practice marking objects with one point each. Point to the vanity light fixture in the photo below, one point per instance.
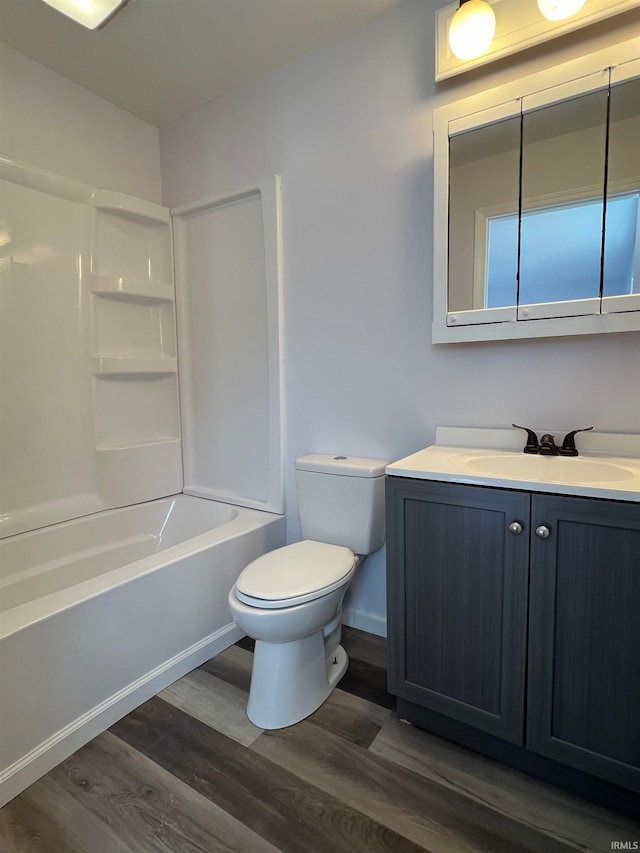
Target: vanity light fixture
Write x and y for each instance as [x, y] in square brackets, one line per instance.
[511, 26]
[558, 10]
[472, 29]
[92, 14]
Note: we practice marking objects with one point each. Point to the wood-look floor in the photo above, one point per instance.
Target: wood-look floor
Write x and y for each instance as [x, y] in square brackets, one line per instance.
[187, 771]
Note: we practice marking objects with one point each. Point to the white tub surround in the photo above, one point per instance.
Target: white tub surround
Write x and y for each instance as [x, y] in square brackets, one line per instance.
[102, 612]
[608, 465]
[89, 384]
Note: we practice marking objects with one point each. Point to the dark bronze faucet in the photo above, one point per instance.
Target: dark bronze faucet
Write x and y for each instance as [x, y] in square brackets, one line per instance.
[547, 444]
[532, 445]
[569, 445]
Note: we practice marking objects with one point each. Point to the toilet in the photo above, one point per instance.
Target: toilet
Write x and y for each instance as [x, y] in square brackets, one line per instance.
[290, 600]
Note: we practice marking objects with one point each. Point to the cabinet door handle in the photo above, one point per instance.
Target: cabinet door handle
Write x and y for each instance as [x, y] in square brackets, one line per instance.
[515, 527]
[543, 531]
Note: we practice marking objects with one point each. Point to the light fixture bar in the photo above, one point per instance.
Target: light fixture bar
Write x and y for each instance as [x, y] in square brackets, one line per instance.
[92, 14]
[520, 24]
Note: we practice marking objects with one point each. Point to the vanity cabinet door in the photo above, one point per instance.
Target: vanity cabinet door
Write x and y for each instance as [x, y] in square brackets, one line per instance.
[457, 600]
[584, 636]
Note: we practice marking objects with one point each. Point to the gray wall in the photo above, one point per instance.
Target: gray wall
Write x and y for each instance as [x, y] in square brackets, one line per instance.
[50, 123]
[349, 128]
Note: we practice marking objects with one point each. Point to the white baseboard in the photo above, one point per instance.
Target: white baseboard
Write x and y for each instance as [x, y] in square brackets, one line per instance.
[373, 623]
[28, 769]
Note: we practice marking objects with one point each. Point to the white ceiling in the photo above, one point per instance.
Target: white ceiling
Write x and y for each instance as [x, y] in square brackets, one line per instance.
[159, 59]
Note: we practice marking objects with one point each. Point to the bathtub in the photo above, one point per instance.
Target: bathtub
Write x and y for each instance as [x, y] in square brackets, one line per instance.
[100, 613]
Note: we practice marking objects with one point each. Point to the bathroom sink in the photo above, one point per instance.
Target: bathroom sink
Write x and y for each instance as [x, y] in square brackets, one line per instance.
[576, 469]
[608, 465]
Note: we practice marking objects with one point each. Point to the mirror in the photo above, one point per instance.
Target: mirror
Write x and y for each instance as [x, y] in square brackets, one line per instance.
[563, 173]
[542, 197]
[484, 169]
[622, 223]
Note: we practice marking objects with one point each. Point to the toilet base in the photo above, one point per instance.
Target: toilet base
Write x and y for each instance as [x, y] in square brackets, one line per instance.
[290, 681]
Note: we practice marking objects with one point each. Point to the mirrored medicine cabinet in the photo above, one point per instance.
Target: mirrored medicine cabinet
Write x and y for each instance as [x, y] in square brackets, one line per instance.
[537, 205]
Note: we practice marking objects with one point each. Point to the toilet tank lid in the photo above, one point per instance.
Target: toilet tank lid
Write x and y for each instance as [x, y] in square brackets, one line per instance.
[347, 466]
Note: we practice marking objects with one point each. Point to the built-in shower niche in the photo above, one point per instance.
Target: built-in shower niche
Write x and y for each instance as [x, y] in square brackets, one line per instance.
[132, 321]
[131, 238]
[133, 330]
[137, 429]
[134, 409]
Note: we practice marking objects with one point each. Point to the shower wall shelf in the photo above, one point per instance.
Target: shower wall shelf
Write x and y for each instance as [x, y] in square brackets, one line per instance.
[117, 365]
[134, 209]
[133, 336]
[136, 290]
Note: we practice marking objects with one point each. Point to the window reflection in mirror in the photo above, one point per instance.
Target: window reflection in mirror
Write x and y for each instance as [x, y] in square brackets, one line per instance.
[622, 237]
[563, 155]
[484, 166]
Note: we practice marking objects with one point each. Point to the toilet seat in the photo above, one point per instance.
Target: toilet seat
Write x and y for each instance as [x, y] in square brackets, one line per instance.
[295, 574]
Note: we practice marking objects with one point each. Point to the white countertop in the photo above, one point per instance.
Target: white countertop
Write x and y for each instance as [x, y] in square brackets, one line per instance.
[608, 465]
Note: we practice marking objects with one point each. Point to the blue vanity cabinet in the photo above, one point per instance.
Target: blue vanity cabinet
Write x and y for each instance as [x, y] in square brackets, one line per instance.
[457, 601]
[514, 629]
[583, 693]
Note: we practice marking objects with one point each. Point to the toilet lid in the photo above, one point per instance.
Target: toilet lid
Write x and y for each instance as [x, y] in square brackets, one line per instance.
[303, 570]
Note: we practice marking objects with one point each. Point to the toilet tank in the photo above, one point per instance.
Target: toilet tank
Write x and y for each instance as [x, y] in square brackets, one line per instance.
[341, 500]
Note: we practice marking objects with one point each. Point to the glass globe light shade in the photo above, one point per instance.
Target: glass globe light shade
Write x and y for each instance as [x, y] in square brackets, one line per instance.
[472, 29]
[557, 10]
[92, 14]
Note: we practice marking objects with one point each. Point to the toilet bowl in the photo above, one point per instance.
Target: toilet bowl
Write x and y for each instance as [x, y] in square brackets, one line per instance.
[290, 600]
[296, 622]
